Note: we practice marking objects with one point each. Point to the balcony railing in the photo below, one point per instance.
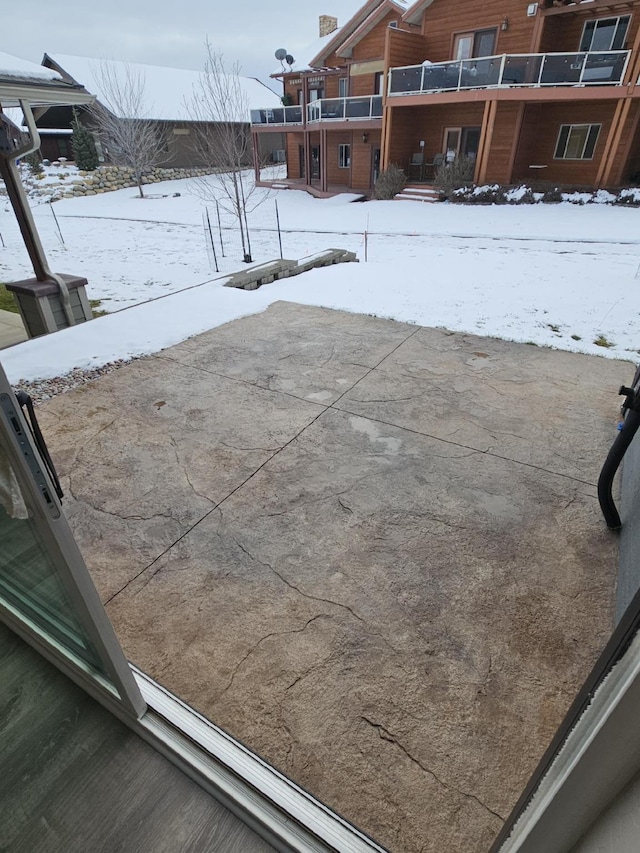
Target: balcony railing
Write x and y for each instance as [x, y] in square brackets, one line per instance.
[277, 115]
[345, 109]
[533, 70]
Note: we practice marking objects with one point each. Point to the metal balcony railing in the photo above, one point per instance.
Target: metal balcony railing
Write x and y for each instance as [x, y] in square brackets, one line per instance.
[277, 115]
[345, 109]
[532, 70]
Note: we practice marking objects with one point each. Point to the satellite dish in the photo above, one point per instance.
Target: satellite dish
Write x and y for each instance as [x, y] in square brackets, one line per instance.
[289, 59]
[281, 54]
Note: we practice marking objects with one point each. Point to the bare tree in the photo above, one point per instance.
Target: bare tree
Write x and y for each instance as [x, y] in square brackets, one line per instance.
[123, 120]
[219, 106]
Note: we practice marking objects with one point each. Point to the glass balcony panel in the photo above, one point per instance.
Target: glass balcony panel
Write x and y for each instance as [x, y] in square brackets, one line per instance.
[443, 76]
[604, 67]
[562, 68]
[293, 115]
[522, 70]
[376, 106]
[331, 108]
[406, 79]
[279, 115]
[358, 107]
[478, 73]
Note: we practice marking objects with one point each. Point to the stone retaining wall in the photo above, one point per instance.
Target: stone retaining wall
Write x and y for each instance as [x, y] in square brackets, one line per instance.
[109, 178]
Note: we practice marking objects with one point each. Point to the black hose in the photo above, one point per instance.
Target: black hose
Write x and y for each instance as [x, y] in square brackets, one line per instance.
[611, 465]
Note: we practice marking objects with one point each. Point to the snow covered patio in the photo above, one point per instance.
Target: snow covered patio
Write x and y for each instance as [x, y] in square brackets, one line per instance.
[371, 550]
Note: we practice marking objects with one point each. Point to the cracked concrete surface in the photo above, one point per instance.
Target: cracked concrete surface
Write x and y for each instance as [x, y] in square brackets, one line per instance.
[371, 551]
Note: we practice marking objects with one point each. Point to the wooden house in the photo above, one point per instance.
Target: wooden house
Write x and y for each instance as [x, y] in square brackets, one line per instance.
[541, 92]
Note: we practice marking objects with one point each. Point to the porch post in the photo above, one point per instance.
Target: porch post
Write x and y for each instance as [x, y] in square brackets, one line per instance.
[625, 150]
[486, 138]
[255, 139]
[324, 178]
[612, 144]
[385, 153]
[517, 133]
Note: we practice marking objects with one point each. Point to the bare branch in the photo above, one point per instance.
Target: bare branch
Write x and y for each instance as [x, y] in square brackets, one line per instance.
[124, 119]
[219, 107]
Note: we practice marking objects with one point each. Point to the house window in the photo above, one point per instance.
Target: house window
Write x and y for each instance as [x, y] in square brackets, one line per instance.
[316, 94]
[343, 87]
[379, 83]
[470, 45]
[344, 156]
[605, 34]
[577, 141]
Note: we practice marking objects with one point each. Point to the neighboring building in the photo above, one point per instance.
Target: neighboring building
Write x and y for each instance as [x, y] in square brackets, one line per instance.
[530, 91]
[166, 92]
[334, 122]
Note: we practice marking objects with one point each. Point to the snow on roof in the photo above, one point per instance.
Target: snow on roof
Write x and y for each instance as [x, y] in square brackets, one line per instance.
[14, 114]
[165, 89]
[321, 47]
[13, 66]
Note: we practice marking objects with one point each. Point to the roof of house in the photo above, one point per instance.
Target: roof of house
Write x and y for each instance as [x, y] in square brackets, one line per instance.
[21, 79]
[372, 20]
[22, 69]
[314, 56]
[333, 42]
[166, 90]
[413, 15]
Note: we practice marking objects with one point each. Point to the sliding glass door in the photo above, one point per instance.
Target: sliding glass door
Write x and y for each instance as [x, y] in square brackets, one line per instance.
[46, 593]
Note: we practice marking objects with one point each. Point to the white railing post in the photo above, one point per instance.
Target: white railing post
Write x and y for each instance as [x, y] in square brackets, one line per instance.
[542, 61]
[460, 75]
[503, 63]
[624, 69]
[584, 65]
[422, 80]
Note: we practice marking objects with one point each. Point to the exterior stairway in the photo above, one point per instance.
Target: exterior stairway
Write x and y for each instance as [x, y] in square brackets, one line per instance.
[419, 192]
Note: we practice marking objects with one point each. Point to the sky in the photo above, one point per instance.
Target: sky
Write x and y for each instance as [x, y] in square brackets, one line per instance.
[162, 32]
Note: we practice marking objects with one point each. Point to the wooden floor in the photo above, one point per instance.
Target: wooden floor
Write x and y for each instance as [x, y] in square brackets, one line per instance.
[74, 779]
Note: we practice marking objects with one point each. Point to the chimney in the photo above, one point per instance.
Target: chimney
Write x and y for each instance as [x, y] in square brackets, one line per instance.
[328, 25]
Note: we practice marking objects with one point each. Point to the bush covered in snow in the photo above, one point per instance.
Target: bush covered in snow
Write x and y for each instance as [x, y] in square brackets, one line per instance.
[497, 194]
[451, 177]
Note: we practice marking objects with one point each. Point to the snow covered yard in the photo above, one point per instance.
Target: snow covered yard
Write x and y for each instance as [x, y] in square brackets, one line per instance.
[557, 275]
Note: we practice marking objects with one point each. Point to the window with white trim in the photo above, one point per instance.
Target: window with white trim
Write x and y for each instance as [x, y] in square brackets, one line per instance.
[343, 87]
[577, 141]
[605, 34]
[344, 156]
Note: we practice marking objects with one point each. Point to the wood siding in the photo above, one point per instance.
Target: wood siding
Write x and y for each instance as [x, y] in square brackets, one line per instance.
[294, 141]
[439, 25]
[372, 45]
[626, 161]
[503, 143]
[403, 48]
[413, 124]
[358, 176]
[564, 32]
[539, 137]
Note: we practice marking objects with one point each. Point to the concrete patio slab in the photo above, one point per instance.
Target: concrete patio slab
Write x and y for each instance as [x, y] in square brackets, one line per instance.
[12, 329]
[393, 600]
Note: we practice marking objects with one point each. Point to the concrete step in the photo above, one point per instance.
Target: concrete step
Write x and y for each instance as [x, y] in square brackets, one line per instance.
[419, 192]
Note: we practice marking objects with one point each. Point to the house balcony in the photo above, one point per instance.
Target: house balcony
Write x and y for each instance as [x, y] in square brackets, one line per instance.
[367, 108]
[532, 71]
[276, 117]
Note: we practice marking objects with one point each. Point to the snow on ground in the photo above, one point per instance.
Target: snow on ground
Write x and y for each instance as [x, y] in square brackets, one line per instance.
[557, 275]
